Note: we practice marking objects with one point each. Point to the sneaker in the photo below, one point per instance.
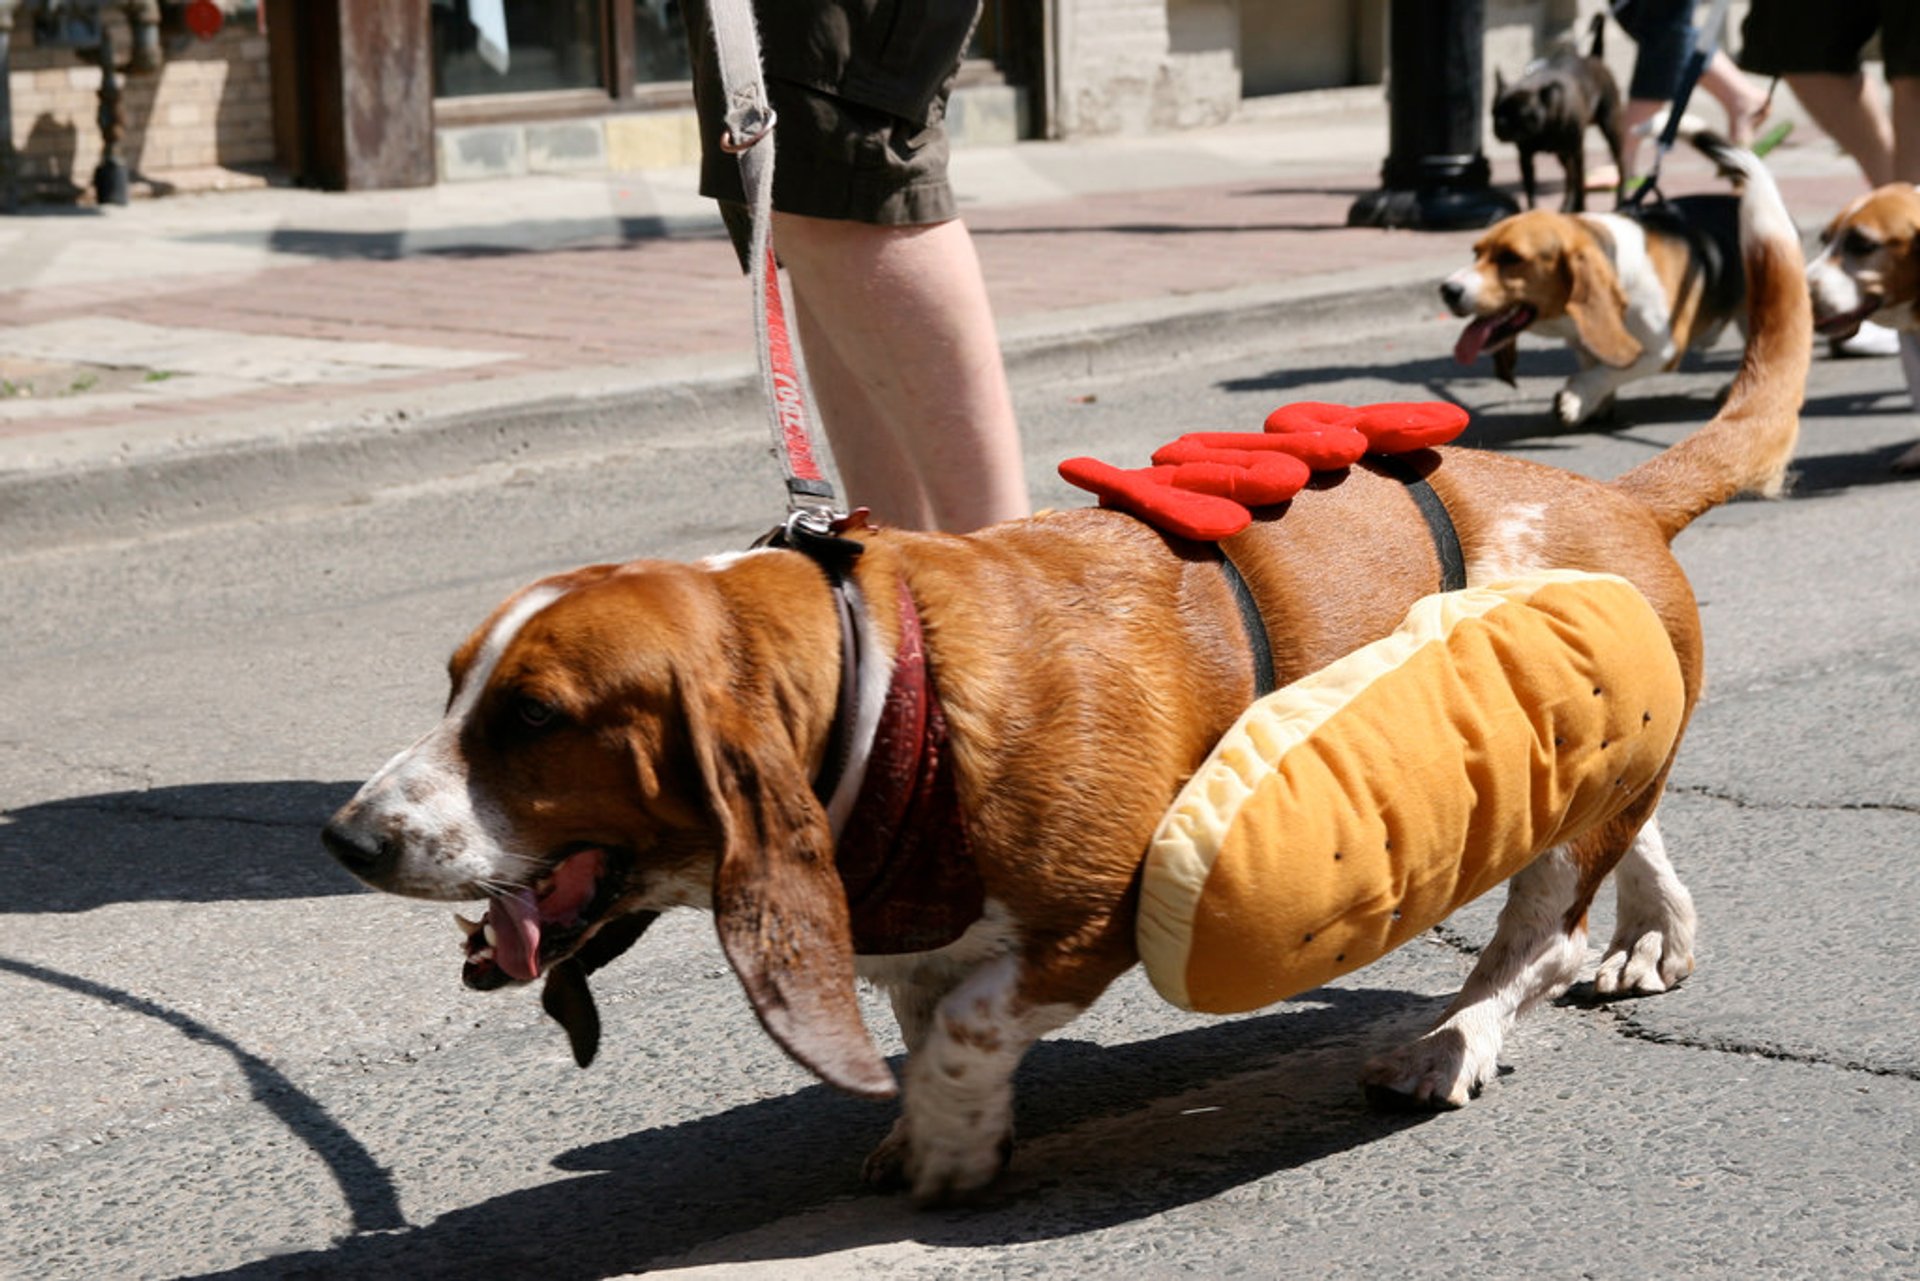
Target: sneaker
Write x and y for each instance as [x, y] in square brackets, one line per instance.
[1869, 340]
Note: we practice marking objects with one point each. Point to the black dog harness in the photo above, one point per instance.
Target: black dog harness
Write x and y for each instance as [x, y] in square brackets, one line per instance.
[1446, 545]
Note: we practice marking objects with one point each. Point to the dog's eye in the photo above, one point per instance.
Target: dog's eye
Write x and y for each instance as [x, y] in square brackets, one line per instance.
[1506, 258]
[1858, 244]
[533, 713]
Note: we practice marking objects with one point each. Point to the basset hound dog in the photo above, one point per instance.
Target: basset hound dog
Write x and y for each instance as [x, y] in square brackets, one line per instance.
[1630, 293]
[960, 816]
[1868, 268]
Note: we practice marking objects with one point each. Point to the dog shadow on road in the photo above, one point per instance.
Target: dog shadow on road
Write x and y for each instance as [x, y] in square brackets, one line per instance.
[199, 843]
[1109, 1135]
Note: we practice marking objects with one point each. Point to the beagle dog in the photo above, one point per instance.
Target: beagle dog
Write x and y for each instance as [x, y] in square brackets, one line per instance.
[1630, 293]
[1868, 268]
[622, 740]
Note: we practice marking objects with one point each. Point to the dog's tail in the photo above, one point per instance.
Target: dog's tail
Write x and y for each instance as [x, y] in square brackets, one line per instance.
[1599, 29]
[1747, 446]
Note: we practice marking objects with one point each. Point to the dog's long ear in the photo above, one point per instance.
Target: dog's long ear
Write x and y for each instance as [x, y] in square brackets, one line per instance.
[1598, 306]
[778, 902]
[566, 995]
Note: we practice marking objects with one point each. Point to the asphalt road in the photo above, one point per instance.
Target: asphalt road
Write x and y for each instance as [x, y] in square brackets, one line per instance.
[220, 1057]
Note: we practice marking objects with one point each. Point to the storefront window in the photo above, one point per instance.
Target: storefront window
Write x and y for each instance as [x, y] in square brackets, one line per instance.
[659, 42]
[516, 46]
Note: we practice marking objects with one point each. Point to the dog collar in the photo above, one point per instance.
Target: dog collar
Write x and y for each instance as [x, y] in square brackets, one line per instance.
[901, 851]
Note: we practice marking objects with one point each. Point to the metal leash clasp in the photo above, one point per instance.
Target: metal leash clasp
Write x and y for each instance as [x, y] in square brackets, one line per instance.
[755, 124]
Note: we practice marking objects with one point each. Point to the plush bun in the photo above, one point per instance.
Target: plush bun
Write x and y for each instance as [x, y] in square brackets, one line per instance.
[1352, 810]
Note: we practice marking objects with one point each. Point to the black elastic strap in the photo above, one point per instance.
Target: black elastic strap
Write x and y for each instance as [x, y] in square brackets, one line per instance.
[1263, 682]
[1446, 540]
[835, 556]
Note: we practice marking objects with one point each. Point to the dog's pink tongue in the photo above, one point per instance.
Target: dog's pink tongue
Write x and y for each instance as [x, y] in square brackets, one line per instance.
[1474, 338]
[516, 934]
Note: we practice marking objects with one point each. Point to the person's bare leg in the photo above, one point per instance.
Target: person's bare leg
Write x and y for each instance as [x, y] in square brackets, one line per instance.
[900, 343]
[1849, 111]
[874, 471]
[1906, 129]
[1635, 115]
[1746, 102]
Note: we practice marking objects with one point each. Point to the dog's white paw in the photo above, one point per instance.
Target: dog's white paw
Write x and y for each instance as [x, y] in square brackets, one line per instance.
[1644, 960]
[946, 1174]
[1568, 408]
[1440, 1071]
[937, 1173]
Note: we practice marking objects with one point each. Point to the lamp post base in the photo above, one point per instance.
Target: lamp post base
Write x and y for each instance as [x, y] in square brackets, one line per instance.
[1432, 208]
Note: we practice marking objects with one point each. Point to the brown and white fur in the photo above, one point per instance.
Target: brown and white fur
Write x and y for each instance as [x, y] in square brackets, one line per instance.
[1629, 294]
[660, 724]
[1868, 268]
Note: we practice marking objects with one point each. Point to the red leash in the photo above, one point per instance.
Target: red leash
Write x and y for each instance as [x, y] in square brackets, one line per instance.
[750, 121]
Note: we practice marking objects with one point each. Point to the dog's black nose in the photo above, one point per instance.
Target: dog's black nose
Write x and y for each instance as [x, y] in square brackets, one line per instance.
[1451, 292]
[367, 857]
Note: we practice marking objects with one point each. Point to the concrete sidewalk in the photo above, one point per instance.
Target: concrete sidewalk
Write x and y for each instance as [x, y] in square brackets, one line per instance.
[202, 357]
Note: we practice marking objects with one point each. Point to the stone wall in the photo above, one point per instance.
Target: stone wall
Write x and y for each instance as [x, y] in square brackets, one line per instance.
[1137, 66]
[199, 122]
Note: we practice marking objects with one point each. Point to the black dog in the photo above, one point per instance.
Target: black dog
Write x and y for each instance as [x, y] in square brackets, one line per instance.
[1549, 109]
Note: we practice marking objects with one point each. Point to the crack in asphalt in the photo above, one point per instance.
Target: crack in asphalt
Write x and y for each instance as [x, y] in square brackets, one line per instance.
[1633, 1029]
[1618, 1016]
[1811, 807]
[137, 809]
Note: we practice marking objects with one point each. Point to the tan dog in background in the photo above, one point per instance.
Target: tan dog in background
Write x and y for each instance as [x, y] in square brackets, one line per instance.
[624, 739]
[1630, 294]
[1868, 268]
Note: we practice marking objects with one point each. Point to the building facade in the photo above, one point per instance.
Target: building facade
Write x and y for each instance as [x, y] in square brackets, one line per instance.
[356, 94]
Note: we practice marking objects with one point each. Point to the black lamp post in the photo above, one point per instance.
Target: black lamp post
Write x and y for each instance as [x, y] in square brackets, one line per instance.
[1435, 177]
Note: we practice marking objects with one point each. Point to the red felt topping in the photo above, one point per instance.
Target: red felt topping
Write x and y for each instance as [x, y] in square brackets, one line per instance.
[1203, 483]
[1399, 428]
[1328, 450]
[1143, 493]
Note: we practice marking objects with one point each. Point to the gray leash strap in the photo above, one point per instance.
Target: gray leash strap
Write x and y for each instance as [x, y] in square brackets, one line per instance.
[748, 136]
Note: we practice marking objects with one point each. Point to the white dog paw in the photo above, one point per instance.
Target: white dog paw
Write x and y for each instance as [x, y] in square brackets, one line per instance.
[1642, 962]
[1438, 1072]
[949, 1175]
[1568, 408]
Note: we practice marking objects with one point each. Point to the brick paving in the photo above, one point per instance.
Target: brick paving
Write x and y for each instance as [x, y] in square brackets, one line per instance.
[614, 304]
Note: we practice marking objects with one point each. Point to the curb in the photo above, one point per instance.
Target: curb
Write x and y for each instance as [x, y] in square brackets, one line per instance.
[108, 484]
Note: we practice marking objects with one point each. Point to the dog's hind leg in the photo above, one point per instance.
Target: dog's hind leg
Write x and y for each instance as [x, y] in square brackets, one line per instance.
[1535, 954]
[1652, 947]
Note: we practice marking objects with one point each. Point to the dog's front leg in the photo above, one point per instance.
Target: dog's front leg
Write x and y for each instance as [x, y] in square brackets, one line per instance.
[916, 1000]
[1535, 954]
[1574, 163]
[1588, 391]
[957, 1114]
[1910, 362]
[1526, 175]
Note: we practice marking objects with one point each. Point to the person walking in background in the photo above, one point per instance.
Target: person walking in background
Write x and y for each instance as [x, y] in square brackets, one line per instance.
[1817, 50]
[1664, 37]
[889, 301]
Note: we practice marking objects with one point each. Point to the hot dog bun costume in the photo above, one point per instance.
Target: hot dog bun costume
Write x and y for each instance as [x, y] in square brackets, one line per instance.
[1348, 812]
